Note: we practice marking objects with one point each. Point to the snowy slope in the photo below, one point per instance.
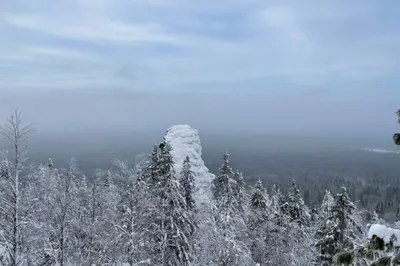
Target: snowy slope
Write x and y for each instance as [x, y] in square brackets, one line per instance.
[185, 141]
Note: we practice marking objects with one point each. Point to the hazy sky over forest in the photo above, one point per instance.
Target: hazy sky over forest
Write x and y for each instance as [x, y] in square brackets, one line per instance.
[277, 66]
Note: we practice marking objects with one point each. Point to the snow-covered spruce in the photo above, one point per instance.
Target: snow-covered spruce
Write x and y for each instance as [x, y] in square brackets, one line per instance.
[382, 249]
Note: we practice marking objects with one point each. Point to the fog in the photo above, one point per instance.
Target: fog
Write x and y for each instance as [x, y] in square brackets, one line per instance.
[307, 113]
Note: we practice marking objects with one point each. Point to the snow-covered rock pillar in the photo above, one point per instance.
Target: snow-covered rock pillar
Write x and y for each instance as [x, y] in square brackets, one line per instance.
[185, 141]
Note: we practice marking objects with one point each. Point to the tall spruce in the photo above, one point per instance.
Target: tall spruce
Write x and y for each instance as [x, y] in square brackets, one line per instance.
[339, 232]
[323, 225]
[187, 183]
[325, 210]
[296, 208]
[299, 231]
[171, 224]
[224, 185]
[232, 238]
[132, 243]
[258, 224]
[239, 188]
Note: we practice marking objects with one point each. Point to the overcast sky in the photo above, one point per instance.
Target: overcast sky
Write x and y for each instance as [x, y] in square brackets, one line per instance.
[305, 66]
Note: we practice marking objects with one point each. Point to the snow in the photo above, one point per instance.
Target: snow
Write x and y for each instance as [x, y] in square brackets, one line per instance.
[382, 151]
[185, 141]
[385, 233]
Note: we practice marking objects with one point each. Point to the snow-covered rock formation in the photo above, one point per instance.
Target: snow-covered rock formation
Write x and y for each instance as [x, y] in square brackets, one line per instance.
[185, 141]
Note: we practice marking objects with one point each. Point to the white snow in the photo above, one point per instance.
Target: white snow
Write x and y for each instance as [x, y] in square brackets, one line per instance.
[385, 233]
[185, 141]
[382, 151]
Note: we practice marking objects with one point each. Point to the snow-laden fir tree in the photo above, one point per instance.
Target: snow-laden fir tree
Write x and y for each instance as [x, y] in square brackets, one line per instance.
[97, 222]
[298, 228]
[339, 232]
[224, 185]
[170, 222]
[324, 214]
[239, 188]
[178, 226]
[381, 249]
[12, 207]
[258, 224]
[131, 243]
[187, 183]
[296, 208]
[231, 226]
[259, 199]
[325, 210]
[276, 203]
[277, 232]
[66, 213]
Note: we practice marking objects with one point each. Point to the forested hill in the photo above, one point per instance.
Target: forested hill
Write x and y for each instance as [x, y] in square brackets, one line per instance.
[317, 163]
[167, 208]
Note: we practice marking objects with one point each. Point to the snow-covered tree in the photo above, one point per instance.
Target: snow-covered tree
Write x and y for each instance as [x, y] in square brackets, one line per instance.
[299, 235]
[224, 185]
[16, 132]
[66, 211]
[40, 186]
[396, 136]
[381, 249]
[339, 232]
[296, 208]
[97, 223]
[325, 209]
[177, 225]
[231, 226]
[130, 243]
[258, 224]
[170, 224]
[187, 183]
[239, 188]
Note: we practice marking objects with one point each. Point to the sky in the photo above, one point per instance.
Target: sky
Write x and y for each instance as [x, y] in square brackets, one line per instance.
[310, 66]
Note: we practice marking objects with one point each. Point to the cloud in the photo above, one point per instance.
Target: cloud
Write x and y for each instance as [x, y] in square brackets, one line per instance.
[176, 44]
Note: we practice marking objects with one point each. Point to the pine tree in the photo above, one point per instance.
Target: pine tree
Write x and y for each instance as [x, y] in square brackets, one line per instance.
[187, 183]
[382, 249]
[224, 186]
[178, 226]
[259, 198]
[325, 209]
[66, 212]
[299, 231]
[258, 223]
[171, 224]
[324, 225]
[239, 188]
[231, 226]
[339, 232]
[296, 208]
[277, 232]
[132, 242]
[96, 229]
